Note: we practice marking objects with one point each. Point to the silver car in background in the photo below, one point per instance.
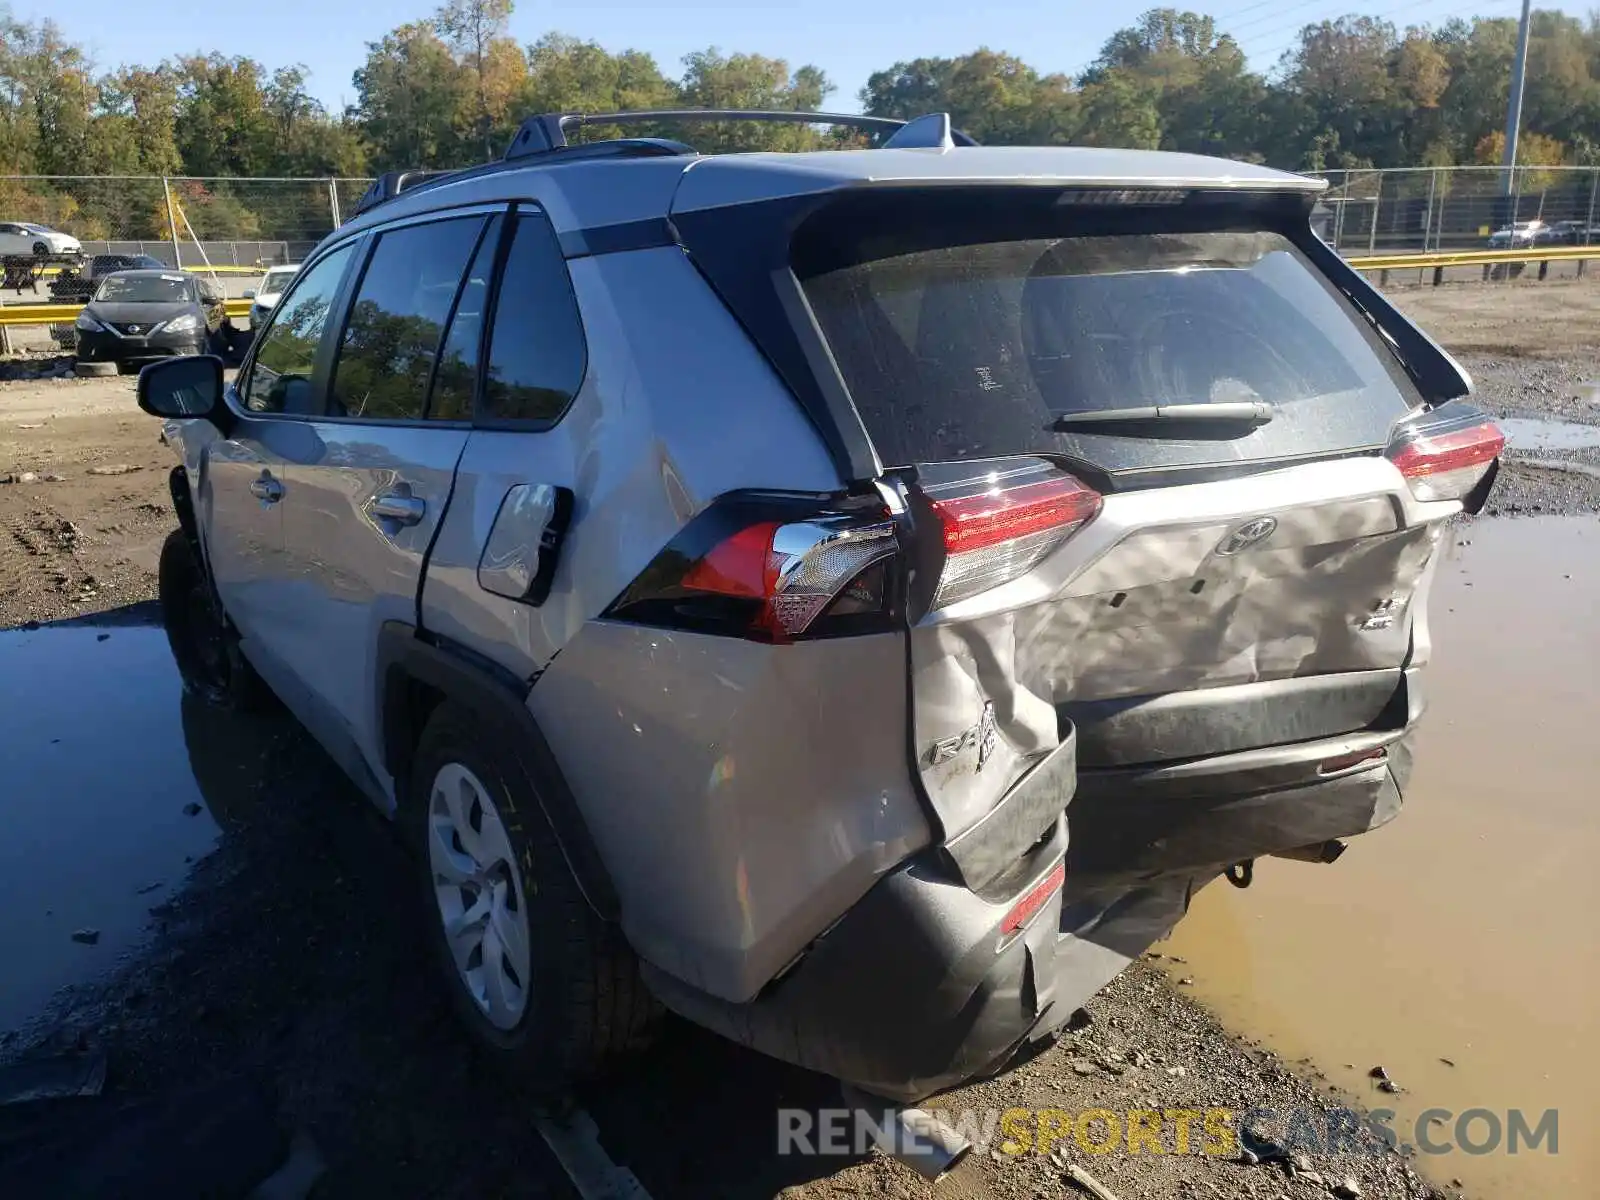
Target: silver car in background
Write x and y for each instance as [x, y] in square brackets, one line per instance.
[853, 599]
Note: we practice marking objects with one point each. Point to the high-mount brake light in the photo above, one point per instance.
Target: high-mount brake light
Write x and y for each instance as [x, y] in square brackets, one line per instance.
[1000, 523]
[1447, 459]
[741, 572]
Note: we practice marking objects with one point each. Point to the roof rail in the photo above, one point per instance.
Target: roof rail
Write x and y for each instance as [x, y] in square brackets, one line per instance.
[391, 183]
[548, 132]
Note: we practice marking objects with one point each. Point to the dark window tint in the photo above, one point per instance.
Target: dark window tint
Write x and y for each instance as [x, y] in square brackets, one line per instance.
[392, 333]
[281, 378]
[453, 383]
[974, 351]
[536, 352]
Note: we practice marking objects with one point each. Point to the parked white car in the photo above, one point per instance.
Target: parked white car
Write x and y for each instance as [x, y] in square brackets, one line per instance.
[1518, 233]
[265, 298]
[23, 237]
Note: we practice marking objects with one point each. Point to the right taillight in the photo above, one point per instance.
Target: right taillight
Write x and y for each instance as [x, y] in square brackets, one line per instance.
[997, 521]
[1446, 453]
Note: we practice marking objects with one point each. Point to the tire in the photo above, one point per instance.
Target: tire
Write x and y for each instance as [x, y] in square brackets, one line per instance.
[204, 646]
[41, 249]
[581, 1004]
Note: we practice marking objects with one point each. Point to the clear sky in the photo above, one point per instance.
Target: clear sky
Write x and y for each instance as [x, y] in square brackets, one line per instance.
[848, 39]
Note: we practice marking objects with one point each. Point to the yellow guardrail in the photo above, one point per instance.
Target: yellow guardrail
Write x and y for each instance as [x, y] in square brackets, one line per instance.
[217, 270]
[1471, 258]
[12, 315]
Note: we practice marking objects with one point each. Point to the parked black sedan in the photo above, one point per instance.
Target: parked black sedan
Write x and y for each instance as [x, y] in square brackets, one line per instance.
[138, 315]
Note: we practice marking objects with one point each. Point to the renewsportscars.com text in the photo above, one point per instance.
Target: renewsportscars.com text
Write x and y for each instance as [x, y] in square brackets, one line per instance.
[1223, 1132]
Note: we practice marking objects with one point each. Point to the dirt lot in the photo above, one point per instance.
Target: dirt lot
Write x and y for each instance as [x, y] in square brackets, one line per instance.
[85, 505]
[289, 953]
[290, 956]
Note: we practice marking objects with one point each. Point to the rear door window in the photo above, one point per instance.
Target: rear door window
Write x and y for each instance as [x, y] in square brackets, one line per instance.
[977, 350]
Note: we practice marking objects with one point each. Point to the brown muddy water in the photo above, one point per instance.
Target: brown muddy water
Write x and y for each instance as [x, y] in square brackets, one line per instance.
[1466, 930]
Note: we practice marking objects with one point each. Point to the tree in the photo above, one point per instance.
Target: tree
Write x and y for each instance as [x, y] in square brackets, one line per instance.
[1533, 150]
[1194, 79]
[714, 80]
[995, 97]
[408, 94]
[1119, 109]
[143, 104]
[223, 127]
[476, 31]
[449, 90]
[566, 75]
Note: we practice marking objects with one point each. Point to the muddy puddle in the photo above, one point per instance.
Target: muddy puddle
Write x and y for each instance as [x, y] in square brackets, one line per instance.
[101, 811]
[1457, 947]
[1533, 435]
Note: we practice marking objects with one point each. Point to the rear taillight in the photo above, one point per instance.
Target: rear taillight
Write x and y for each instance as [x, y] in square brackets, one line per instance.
[998, 521]
[1447, 452]
[771, 569]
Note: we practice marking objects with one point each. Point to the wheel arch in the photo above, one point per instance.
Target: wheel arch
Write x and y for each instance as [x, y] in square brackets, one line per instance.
[417, 672]
[183, 505]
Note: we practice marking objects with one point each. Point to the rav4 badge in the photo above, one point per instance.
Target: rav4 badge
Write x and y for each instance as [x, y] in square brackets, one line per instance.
[981, 736]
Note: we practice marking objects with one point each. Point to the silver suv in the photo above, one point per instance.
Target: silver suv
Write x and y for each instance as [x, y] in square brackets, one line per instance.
[729, 568]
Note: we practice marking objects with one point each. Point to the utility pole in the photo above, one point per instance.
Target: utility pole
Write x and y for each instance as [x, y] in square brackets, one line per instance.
[1519, 69]
[172, 224]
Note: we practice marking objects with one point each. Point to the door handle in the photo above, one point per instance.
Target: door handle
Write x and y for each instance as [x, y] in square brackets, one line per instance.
[398, 506]
[266, 489]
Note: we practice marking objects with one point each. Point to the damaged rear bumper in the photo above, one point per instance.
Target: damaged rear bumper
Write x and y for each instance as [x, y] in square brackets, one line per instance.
[918, 988]
[1134, 825]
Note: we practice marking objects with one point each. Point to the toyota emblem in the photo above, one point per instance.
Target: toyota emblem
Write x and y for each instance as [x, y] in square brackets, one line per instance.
[1251, 533]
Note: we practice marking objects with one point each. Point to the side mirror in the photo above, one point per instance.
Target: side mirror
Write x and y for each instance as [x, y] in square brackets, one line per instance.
[182, 387]
[249, 293]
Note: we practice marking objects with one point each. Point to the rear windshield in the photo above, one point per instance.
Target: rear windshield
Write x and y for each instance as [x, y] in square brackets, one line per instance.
[275, 281]
[976, 350]
[143, 289]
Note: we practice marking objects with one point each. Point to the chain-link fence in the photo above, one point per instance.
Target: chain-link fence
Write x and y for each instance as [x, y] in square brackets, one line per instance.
[249, 222]
[1410, 210]
[185, 221]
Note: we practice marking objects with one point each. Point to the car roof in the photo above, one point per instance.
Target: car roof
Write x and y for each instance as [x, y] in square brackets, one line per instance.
[151, 273]
[584, 193]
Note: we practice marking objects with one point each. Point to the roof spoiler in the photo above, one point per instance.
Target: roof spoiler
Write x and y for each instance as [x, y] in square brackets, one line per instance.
[547, 133]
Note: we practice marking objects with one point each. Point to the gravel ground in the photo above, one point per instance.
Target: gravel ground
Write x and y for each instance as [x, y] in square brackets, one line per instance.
[84, 504]
[292, 953]
[311, 972]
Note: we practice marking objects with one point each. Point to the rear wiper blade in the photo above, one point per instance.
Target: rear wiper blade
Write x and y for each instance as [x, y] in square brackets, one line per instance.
[1247, 412]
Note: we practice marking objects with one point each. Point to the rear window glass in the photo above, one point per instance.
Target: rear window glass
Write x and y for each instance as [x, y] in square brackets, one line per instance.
[974, 351]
